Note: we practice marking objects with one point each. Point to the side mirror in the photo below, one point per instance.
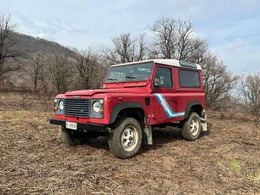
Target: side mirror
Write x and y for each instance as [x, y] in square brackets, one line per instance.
[156, 82]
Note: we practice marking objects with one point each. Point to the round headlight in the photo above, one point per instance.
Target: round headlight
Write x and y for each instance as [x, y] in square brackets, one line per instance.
[61, 106]
[96, 106]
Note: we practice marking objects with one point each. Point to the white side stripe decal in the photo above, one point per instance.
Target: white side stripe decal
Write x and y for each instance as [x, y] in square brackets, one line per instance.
[167, 108]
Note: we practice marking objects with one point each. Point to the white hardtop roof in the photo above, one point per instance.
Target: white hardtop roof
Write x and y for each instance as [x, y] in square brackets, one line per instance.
[170, 62]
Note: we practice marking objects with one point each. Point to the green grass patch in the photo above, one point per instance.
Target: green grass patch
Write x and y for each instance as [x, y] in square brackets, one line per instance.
[235, 165]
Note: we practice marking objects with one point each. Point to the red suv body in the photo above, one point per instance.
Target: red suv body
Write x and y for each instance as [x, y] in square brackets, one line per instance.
[134, 98]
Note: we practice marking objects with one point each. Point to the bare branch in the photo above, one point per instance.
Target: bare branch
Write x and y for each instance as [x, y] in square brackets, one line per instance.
[7, 56]
[88, 69]
[250, 89]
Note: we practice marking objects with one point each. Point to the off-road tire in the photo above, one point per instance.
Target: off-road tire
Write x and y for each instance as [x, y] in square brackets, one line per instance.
[117, 141]
[68, 137]
[187, 131]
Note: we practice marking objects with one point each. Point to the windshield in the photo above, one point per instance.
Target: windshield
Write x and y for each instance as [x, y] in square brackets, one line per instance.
[128, 73]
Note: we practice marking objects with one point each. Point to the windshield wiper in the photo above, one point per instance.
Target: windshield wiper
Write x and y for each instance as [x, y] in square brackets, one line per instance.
[111, 79]
[130, 77]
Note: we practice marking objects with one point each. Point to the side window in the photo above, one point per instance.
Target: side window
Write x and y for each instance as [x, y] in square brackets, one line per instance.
[189, 78]
[163, 77]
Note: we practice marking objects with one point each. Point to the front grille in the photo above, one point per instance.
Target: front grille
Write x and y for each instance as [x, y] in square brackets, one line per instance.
[77, 107]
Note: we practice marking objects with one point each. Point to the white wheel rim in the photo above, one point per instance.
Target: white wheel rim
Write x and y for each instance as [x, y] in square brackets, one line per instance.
[129, 138]
[194, 126]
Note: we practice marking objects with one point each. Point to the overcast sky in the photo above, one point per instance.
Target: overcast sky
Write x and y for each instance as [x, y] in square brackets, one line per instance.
[231, 27]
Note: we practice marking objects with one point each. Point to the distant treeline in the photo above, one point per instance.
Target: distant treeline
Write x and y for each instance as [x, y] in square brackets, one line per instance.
[51, 68]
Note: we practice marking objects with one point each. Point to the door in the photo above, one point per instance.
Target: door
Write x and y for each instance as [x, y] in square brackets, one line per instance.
[165, 104]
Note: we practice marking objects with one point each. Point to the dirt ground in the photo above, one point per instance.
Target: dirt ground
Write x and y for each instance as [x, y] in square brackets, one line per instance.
[33, 160]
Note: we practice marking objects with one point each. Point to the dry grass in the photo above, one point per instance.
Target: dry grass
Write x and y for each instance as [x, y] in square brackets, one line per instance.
[34, 161]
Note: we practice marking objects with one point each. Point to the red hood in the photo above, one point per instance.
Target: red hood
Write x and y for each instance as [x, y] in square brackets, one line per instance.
[99, 91]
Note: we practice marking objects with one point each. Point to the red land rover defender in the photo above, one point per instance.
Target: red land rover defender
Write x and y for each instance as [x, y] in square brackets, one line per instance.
[134, 98]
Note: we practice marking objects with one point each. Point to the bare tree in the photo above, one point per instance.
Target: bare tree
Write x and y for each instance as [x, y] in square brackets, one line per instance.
[165, 32]
[189, 47]
[250, 88]
[39, 72]
[184, 45]
[218, 82]
[175, 39]
[8, 57]
[198, 50]
[127, 49]
[110, 57]
[124, 47]
[88, 69]
[61, 72]
[141, 48]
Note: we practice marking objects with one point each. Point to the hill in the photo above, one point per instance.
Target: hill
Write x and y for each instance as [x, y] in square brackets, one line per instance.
[26, 46]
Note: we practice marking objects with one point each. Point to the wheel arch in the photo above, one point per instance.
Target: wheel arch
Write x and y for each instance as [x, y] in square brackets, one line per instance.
[132, 109]
[194, 106]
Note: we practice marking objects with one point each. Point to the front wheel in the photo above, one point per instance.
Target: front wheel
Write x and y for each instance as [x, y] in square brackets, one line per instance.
[126, 138]
[191, 128]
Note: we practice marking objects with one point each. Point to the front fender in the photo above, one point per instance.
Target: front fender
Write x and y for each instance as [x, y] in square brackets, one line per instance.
[122, 106]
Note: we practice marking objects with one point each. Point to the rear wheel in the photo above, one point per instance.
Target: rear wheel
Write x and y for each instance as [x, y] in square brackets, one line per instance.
[126, 138]
[70, 137]
[191, 128]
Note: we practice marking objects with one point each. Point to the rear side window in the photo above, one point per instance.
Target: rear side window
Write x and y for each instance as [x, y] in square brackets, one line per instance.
[189, 78]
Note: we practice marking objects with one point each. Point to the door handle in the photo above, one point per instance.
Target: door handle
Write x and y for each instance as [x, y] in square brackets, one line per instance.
[173, 100]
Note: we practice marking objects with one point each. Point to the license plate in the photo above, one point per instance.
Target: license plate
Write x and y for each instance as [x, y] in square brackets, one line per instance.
[70, 125]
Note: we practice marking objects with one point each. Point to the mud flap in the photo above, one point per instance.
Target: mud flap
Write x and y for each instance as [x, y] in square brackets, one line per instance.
[148, 135]
[204, 125]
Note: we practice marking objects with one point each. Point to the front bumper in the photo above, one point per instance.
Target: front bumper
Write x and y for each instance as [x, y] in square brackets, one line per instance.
[81, 126]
